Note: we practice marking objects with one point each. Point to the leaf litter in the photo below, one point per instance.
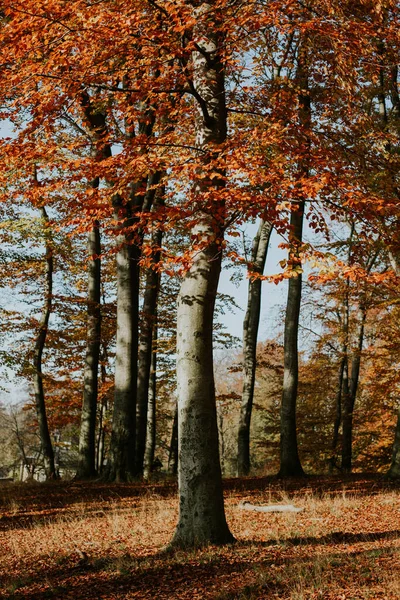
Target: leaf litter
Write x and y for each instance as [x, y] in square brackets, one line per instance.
[97, 541]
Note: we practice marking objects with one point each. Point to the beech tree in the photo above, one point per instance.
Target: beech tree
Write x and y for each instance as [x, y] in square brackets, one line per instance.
[145, 419]
[290, 462]
[45, 440]
[201, 507]
[250, 332]
[96, 120]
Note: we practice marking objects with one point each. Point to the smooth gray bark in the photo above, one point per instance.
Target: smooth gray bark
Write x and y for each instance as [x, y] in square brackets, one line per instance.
[45, 440]
[201, 505]
[250, 333]
[201, 517]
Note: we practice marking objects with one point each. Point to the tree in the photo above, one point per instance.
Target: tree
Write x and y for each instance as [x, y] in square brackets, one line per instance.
[290, 462]
[201, 507]
[45, 440]
[250, 332]
[96, 120]
[145, 421]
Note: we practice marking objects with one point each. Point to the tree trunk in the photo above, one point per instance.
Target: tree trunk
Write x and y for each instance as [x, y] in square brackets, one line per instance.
[87, 437]
[250, 332]
[101, 438]
[338, 414]
[394, 471]
[289, 457]
[121, 460]
[349, 399]
[95, 120]
[173, 446]
[45, 440]
[201, 505]
[145, 349]
[151, 409]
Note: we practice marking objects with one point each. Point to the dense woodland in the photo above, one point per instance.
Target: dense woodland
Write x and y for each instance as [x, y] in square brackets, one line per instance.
[139, 140]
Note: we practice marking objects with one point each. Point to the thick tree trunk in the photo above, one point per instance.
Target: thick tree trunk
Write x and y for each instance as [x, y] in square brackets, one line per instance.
[87, 437]
[151, 409]
[45, 440]
[250, 332]
[145, 350]
[201, 505]
[202, 517]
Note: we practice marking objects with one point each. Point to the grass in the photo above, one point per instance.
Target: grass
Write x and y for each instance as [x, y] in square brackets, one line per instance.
[87, 542]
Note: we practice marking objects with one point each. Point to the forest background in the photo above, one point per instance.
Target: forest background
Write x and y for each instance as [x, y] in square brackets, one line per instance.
[144, 140]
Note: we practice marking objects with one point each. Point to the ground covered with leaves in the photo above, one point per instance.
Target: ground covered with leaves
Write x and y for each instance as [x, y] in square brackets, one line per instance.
[97, 541]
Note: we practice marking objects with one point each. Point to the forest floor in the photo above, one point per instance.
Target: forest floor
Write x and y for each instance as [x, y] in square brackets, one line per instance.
[97, 541]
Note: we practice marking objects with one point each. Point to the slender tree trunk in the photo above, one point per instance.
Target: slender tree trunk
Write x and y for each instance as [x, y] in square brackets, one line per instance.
[290, 462]
[121, 460]
[151, 409]
[101, 435]
[201, 505]
[349, 398]
[173, 446]
[338, 413]
[289, 457]
[221, 438]
[250, 332]
[101, 432]
[145, 349]
[95, 120]
[394, 470]
[45, 440]
[87, 437]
